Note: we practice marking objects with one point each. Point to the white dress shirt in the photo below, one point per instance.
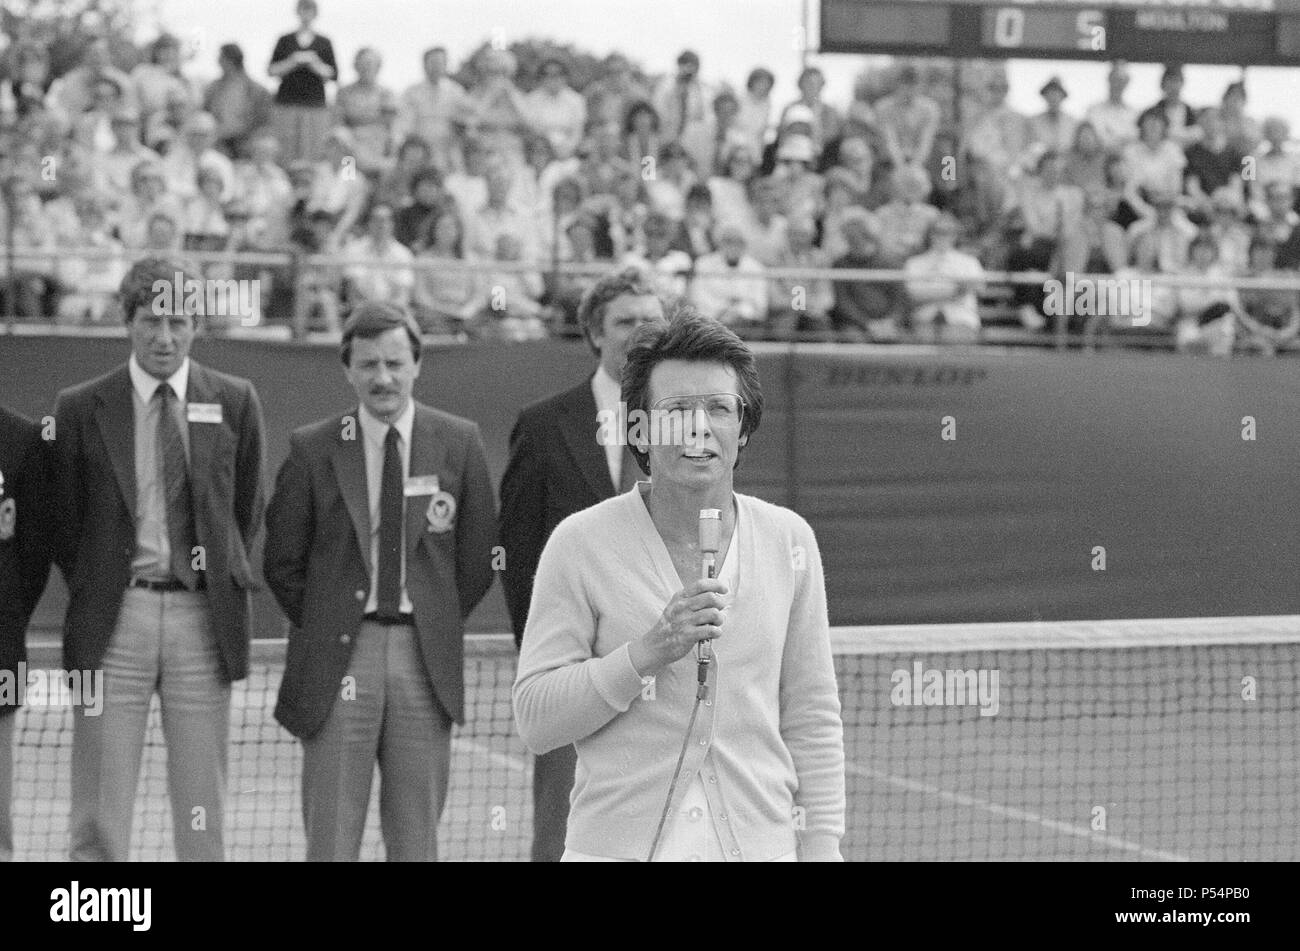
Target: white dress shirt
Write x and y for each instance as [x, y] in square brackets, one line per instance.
[153, 552]
[373, 434]
[609, 394]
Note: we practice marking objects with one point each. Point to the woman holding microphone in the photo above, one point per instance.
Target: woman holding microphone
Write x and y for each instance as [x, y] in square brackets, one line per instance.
[749, 764]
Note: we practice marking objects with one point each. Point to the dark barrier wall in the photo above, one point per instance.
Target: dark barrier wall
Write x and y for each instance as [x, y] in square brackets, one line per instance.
[1054, 455]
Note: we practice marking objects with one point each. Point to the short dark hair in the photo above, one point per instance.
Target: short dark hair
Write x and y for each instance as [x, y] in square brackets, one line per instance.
[374, 318]
[591, 312]
[635, 109]
[233, 53]
[690, 336]
[137, 287]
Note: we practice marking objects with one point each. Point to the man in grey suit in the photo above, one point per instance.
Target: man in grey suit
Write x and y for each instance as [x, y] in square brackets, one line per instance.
[379, 544]
[159, 499]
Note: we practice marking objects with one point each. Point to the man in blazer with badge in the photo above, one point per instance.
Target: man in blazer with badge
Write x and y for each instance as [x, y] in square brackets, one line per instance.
[160, 497]
[557, 467]
[379, 544]
[26, 543]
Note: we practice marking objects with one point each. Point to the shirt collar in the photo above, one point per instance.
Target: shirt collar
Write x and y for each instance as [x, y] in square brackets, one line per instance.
[145, 385]
[376, 430]
[605, 389]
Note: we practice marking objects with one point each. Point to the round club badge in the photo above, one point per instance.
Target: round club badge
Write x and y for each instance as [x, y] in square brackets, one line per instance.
[442, 512]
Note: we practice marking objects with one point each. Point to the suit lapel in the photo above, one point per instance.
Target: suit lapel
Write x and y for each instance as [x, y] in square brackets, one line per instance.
[349, 460]
[580, 427]
[428, 457]
[115, 416]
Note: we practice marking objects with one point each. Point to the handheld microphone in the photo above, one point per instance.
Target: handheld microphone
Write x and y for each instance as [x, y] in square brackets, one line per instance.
[710, 543]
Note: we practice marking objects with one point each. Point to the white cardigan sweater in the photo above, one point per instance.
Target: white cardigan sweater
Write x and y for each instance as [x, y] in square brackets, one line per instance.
[769, 743]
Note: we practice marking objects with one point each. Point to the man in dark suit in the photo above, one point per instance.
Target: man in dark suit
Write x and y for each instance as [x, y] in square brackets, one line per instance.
[557, 467]
[26, 543]
[379, 544]
[159, 475]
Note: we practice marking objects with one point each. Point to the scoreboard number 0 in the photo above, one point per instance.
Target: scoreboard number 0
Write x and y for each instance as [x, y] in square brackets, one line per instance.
[1009, 27]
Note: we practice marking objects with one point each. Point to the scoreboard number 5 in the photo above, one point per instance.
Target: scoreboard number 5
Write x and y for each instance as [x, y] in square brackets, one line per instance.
[1092, 32]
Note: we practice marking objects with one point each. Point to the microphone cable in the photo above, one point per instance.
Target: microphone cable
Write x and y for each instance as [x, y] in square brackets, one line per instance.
[703, 657]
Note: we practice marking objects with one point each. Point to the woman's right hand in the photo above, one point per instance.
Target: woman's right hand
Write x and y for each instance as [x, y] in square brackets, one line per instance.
[694, 614]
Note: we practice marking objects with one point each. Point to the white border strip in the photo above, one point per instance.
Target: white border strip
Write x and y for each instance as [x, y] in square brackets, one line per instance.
[1055, 635]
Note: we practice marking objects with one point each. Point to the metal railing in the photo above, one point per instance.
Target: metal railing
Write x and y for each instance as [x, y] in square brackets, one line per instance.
[293, 267]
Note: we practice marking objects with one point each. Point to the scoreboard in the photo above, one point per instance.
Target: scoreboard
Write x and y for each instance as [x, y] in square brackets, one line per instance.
[1241, 32]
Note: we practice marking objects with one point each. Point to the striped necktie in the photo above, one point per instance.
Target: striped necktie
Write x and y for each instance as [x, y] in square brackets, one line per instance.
[176, 478]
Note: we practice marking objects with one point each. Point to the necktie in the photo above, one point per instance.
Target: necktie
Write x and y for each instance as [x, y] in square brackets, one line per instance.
[176, 479]
[390, 528]
[630, 472]
[683, 106]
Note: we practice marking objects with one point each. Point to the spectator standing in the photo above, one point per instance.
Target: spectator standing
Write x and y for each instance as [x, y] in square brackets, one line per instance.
[1114, 120]
[1213, 163]
[755, 114]
[304, 62]
[1180, 118]
[999, 135]
[240, 104]
[155, 82]
[825, 123]
[1243, 131]
[642, 135]
[555, 110]
[368, 110]
[683, 101]
[434, 109]
[908, 120]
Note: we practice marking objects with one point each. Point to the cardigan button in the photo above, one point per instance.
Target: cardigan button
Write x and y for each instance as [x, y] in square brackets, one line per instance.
[695, 814]
[735, 851]
[360, 595]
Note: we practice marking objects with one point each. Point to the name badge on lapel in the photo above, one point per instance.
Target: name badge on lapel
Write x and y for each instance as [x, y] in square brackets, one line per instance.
[203, 412]
[420, 485]
[441, 513]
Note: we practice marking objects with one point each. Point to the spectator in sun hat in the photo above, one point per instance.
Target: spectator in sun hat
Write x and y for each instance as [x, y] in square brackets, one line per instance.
[1052, 129]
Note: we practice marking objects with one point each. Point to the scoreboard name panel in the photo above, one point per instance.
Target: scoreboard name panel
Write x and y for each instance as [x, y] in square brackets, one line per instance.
[1102, 32]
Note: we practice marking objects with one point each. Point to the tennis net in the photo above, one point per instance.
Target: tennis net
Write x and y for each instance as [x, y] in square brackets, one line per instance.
[1101, 740]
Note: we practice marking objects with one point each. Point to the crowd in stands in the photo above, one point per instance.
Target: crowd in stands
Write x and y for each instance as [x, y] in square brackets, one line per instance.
[710, 187]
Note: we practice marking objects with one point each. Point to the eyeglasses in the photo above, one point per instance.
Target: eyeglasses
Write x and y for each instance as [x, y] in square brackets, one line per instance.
[725, 410]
